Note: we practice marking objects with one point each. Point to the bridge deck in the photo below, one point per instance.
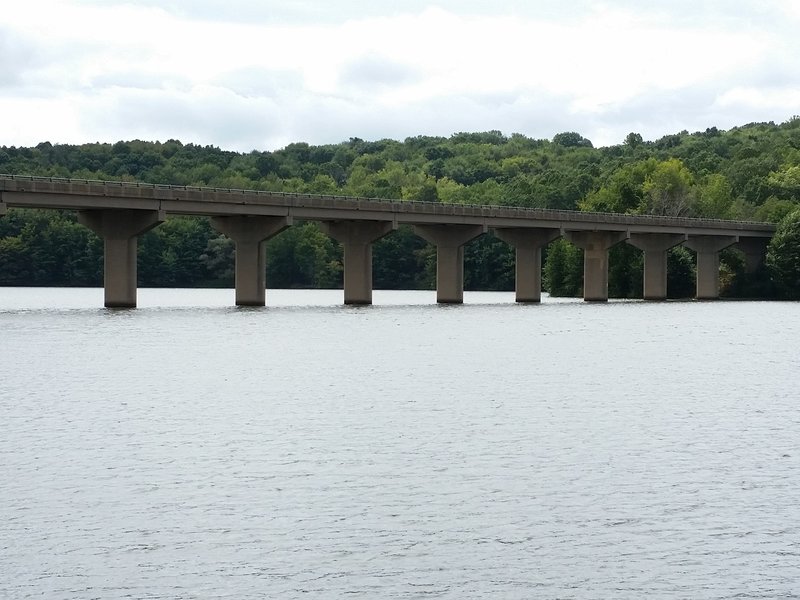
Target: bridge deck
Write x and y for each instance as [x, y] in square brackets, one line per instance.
[82, 194]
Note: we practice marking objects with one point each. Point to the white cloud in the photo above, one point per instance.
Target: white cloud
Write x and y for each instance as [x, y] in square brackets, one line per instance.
[784, 100]
[243, 74]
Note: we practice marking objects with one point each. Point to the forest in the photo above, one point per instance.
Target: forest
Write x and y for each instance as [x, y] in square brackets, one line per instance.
[750, 173]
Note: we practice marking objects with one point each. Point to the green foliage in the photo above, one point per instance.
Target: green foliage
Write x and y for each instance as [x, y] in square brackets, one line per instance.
[625, 272]
[171, 254]
[668, 190]
[49, 248]
[737, 282]
[570, 139]
[15, 263]
[303, 256]
[563, 269]
[714, 198]
[783, 256]
[785, 184]
[397, 263]
[633, 140]
[680, 273]
[488, 265]
[774, 209]
[623, 191]
[219, 261]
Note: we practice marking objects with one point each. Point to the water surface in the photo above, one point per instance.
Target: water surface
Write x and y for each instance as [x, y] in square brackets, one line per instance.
[190, 449]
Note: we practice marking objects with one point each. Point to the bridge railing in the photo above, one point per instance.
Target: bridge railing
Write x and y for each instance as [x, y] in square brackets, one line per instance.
[297, 199]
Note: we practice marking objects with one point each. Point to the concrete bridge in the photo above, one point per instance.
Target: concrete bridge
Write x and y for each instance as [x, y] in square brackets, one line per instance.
[119, 212]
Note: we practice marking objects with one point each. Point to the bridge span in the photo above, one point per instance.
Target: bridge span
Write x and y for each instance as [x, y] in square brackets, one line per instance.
[119, 212]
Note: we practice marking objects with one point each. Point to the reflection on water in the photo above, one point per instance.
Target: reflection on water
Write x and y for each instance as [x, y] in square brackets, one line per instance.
[191, 449]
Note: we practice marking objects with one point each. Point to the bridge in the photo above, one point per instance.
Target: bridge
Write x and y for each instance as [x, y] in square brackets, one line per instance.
[119, 212]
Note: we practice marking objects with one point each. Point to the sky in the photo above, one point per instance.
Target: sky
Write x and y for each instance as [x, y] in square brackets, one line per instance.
[259, 74]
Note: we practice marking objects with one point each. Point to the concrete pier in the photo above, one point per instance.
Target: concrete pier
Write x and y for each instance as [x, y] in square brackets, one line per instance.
[356, 238]
[528, 244]
[249, 234]
[655, 246]
[119, 230]
[708, 248]
[595, 245]
[449, 241]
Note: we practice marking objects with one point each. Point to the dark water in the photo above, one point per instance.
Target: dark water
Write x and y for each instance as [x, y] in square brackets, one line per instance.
[188, 449]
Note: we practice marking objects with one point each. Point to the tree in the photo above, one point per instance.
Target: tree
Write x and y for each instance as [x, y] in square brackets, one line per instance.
[625, 272]
[668, 190]
[680, 273]
[623, 192]
[15, 264]
[786, 183]
[563, 269]
[303, 256]
[571, 139]
[488, 265]
[395, 263]
[783, 257]
[774, 210]
[633, 140]
[219, 260]
[171, 254]
[59, 250]
[715, 199]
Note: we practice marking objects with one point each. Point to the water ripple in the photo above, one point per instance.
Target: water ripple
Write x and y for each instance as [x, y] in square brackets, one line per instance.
[400, 451]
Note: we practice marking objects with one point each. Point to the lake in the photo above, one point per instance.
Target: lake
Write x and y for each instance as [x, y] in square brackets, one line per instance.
[190, 449]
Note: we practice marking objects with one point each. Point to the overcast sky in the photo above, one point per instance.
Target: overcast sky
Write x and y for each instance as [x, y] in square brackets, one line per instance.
[259, 74]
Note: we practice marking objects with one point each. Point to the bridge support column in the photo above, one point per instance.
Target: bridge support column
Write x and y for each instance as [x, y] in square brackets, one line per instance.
[655, 246]
[449, 241]
[528, 244]
[754, 250]
[707, 248]
[595, 245]
[356, 238]
[249, 234]
[119, 229]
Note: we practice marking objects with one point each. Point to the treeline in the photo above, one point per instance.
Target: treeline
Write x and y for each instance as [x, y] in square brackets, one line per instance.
[750, 173]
